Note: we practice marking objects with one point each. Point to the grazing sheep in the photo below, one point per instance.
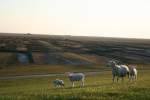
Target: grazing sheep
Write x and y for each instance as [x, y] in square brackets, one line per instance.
[76, 77]
[133, 73]
[58, 83]
[118, 70]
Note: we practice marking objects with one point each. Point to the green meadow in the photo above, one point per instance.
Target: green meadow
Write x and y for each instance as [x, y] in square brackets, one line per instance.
[97, 87]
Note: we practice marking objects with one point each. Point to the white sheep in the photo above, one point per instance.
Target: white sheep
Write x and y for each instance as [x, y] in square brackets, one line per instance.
[58, 83]
[133, 73]
[118, 70]
[73, 77]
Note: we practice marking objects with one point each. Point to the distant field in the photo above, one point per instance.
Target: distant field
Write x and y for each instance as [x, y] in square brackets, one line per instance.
[70, 50]
[53, 69]
[47, 69]
[98, 87]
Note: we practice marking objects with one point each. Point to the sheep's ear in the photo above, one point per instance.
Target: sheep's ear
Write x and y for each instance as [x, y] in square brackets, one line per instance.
[66, 73]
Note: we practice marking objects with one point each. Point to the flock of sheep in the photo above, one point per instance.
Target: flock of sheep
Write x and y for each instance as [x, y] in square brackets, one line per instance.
[118, 71]
[72, 77]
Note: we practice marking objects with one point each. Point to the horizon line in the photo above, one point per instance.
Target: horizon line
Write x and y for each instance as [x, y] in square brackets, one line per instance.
[98, 36]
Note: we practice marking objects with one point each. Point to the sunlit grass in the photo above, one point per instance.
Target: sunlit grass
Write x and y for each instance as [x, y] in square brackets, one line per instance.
[98, 87]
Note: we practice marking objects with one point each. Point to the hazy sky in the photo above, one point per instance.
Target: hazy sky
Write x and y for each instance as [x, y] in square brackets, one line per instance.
[119, 18]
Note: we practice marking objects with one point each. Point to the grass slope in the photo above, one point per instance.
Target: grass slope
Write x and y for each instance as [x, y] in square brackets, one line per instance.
[49, 48]
[98, 87]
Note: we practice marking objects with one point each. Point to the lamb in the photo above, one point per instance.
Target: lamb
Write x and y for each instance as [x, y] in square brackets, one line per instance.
[58, 83]
[73, 77]
[133, 73]
[118, 70]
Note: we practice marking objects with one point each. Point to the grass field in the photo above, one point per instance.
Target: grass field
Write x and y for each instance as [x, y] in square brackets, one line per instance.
[46, 69]
[98, 87]
[58, 54]
[52, 69]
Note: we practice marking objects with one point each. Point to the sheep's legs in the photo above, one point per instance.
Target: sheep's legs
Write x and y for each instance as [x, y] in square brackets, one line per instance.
[128, 73]
[135, 77]
[113, 79]
[117, 79]
[122, 79]
[72, 84]
[130, 78]
[82, 83]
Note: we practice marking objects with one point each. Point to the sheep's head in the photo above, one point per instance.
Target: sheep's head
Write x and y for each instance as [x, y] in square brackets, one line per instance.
[56, 79]
[132, 66]
[68, 73]
[111, 63]
[63, 84]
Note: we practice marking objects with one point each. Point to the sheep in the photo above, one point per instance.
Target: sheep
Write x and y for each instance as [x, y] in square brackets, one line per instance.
[76, 77]
[118, 70]
[58, 83]
[133, 73]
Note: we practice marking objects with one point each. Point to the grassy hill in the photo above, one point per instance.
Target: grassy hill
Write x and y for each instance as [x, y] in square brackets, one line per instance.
[28, 54]
[68, 49]
[28, 50]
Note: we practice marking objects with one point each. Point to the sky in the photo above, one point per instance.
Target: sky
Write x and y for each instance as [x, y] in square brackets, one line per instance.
[108, 18]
